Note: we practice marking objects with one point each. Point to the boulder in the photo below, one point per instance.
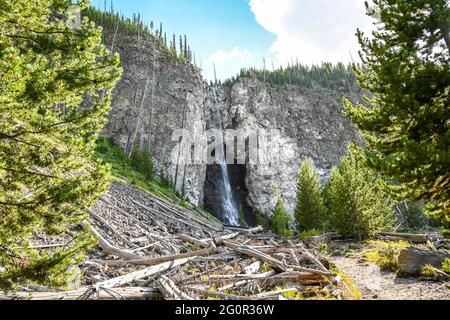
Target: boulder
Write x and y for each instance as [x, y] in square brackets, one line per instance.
[412, 259]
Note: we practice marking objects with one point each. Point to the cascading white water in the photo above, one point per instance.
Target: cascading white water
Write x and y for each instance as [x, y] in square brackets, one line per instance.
[230, 211]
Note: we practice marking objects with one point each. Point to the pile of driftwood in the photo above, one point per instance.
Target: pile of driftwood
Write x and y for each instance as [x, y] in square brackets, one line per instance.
[150, 248]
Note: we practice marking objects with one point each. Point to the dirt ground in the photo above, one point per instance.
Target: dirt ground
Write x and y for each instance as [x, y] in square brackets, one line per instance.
[375, 284]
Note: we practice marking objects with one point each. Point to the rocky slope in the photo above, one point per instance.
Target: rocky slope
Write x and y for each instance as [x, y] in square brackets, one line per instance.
[159, 95]
[150, 248]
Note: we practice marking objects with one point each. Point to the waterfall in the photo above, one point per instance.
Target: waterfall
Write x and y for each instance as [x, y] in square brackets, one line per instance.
[230, 211]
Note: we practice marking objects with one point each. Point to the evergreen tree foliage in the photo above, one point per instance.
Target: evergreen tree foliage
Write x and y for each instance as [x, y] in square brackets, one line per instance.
[142, 161]
[335, 77]
[281, 220]
[165, 179]
[406, 128]
[310, 210]
[413, 219]
[113, 21]
[48, 129]
[357, 204]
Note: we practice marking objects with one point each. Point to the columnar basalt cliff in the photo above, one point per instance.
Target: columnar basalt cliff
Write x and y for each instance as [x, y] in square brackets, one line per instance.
[158, 95]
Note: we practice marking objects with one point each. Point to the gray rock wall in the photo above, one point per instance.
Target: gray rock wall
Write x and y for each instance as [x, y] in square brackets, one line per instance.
[173, 100]
[305, 123]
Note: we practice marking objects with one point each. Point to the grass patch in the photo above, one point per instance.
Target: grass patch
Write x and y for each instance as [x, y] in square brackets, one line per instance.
[293, 295]
[349, 284]
[324, 248]
[309, 233]
[428, 272]
[446, 266]
[384, 254]
[266, 267]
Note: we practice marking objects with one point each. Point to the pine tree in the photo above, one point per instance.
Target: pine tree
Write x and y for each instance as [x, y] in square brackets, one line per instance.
[309, 210]
[173, 44]
[142, 161]
[181, 45]
[356, 203]
[48, 130]
[406, 128]
[281, 220]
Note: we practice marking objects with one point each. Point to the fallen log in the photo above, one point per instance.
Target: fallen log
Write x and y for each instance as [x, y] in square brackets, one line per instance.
[252, 268]
[234, 285]
[245, 231]
[169, 217]
[150, 232]
[224, 296]
[216, 226]
[271, 294]
[144, 273]
[112, 250]
[405, 236]
[273, 262]
[313, 259]
[240, 277]
[171, 290]
[146, 247]
[47, 246]
[299, 277]
[110, 228]
[130, 293]
[189, 239]
[153, 261]
[198, 275]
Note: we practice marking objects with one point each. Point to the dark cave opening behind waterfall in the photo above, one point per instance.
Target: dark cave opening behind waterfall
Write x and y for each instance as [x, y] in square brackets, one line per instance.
[213, 198]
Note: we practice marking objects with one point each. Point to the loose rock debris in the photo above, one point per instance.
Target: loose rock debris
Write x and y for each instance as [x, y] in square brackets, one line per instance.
[150, 248]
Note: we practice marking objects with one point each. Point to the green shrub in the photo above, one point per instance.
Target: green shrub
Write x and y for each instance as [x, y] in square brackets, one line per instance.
[385, 254]
[165, 179]
[264, 221]
[428, 272]
[310, 210]
[281, 220]
[356, 203]
[414, 218]
[241, 212]
[388, 259]
[142, 161]
[446, 265]
[324, 248]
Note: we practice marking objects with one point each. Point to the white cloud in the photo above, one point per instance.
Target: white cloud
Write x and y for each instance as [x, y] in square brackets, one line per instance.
[228, 63]
[312, 30]
[222, 56]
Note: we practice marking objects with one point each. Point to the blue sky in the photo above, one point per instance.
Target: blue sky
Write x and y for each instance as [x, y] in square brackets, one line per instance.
[240, 33]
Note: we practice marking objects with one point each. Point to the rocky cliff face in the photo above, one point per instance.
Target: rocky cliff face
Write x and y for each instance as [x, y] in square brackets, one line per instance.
[158, 95]
[302, 124]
